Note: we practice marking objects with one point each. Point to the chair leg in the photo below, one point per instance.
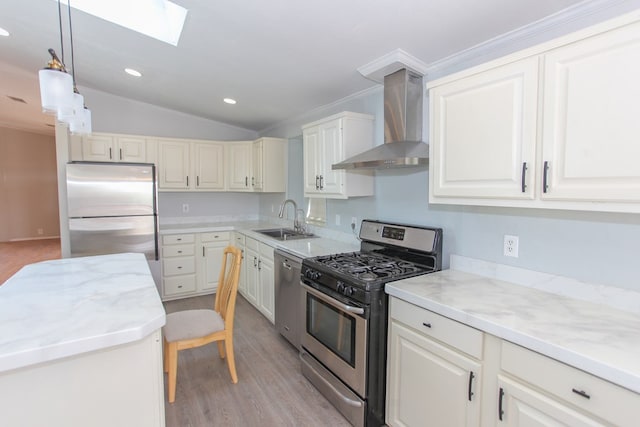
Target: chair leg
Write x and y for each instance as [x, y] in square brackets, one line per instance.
[172, 350]
[228, 342]
[220, 348]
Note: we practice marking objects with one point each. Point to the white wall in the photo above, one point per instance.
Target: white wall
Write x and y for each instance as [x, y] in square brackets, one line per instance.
[590, 246]
[111, 113]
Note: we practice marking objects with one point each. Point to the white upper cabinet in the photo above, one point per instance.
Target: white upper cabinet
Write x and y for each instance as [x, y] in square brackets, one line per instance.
[591, 127]
[268, 165]
[174, 164]
[504, 134]
[208, 166]
[99, 147]
[239, 166]
[330, 141]
[484, 133]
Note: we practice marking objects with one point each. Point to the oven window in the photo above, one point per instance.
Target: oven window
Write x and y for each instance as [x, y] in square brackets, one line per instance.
[333, 328]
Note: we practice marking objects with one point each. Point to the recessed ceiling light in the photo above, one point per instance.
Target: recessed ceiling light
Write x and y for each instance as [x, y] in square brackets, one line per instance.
[160, 19]
[229, 101]
[4, 32]
[132, 72]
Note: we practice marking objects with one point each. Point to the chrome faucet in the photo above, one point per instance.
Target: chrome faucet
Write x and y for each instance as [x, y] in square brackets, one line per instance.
[296, 223]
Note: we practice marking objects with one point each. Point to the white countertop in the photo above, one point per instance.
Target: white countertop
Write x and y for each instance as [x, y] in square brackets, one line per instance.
[304, 248]
[55, 309]
[596, 338]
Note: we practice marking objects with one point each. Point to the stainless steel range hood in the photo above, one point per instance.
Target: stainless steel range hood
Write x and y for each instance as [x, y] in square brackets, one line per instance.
[403, 146]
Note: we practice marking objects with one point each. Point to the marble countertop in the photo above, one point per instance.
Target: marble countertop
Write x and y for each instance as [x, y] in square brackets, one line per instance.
[55, 309]
[304, 248]
[594, 337]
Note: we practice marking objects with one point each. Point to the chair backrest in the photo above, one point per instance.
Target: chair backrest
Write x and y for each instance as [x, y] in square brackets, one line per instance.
[228, 284]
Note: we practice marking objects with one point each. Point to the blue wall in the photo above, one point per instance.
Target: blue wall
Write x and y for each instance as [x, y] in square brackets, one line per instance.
[591, 246]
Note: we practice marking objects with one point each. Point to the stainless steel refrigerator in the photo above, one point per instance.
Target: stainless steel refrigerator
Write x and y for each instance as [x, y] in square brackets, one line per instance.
[112, 208]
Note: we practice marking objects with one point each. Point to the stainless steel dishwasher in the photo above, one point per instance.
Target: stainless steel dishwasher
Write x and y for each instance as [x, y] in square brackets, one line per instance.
[288, 301]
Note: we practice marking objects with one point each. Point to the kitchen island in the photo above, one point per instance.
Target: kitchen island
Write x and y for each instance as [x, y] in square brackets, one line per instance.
[540, 346]
[80, 344]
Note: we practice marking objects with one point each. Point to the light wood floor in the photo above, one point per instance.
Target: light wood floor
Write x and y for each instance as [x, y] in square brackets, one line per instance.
[15, 255]
[271, 390]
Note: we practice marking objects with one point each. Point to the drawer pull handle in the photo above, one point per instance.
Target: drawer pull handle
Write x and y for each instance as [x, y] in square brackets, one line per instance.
[523, 185]
[428, 325]
[545, 173]
[179, 267]
[500, 411]
[179, 252]
[179, 286]
[470, 393]
[179, 239]
[581, 393]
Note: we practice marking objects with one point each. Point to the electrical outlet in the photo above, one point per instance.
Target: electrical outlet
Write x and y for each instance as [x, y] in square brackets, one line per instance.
[185, 208]
[511, 246]
[40, 231]
[337, 219]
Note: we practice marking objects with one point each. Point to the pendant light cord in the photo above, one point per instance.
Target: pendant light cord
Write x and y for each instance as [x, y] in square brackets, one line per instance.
[60, 24]
[73, 65]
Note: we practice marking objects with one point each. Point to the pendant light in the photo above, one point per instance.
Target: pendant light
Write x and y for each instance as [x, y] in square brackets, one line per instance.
[58, 90]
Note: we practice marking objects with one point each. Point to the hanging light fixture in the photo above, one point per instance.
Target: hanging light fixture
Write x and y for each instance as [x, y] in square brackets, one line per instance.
[58, 91]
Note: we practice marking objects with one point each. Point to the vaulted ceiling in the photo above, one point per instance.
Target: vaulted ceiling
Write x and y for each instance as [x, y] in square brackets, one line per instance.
[277, 58]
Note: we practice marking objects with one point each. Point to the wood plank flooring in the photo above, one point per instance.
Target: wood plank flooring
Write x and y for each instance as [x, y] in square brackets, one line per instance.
[15, 255]
[271, 390]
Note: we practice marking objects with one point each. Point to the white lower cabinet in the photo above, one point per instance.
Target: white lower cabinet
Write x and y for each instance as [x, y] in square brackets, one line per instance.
[191, 263]
[431, 381]
[535, 390]
[260, 284]
[211, 249]
[238, 240]
[430, 364]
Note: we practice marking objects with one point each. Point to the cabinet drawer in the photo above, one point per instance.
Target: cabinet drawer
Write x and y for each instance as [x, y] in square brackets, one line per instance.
[175, 266]
[450, 332]
[218, 236]
[173, 239]
[606, 400]
[177, 250]
[238, 239]
[178, 285]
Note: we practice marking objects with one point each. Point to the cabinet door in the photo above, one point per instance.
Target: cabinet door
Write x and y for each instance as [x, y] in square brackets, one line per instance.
[483, 134]
[98, 148]
[237, 240]
[311, 153]
[591, 127]
[173, 165]
[256, 165]
[239, 166]
[211, 265]
[251, 261]
[330, 151]
[266, 292]
[208, 162]
[521, 406]
[428, 381]
[131, 149]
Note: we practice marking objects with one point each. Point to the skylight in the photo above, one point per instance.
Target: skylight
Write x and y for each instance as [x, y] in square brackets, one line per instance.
[160, 19]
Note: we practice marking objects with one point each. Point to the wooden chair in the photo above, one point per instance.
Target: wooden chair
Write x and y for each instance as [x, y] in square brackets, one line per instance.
[195, 328]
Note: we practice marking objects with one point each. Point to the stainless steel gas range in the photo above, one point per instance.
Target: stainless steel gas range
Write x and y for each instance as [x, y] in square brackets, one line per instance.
[344, 339]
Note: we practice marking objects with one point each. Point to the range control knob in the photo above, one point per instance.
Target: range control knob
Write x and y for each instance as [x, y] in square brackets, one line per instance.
[348, 291]
[340, 286]
[316, 275]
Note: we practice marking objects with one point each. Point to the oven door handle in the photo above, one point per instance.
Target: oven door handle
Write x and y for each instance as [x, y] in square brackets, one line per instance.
[345, 399]
[332, 301]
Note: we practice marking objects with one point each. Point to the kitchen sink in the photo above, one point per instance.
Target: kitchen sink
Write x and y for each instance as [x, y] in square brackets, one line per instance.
[285, 234]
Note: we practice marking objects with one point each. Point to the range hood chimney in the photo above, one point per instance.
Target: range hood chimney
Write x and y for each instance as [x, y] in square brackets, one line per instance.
[403, 146]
